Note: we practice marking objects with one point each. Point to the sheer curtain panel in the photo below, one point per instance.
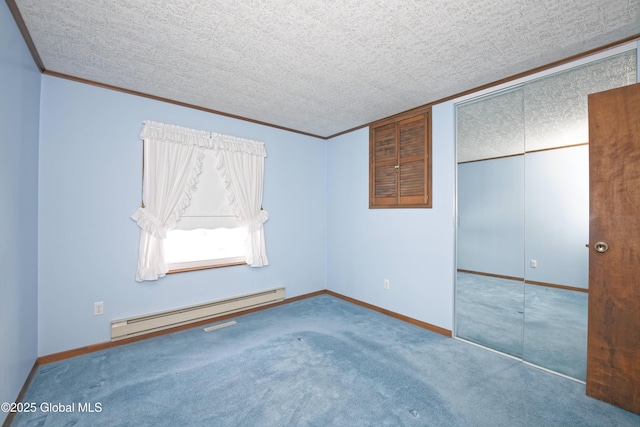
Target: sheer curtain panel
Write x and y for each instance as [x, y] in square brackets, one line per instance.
[242, 168]
[173, 158]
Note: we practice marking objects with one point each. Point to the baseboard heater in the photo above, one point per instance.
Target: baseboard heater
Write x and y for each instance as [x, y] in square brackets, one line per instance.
[140, 325]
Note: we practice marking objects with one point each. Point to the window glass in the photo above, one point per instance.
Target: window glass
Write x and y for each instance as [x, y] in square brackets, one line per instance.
[206, 247]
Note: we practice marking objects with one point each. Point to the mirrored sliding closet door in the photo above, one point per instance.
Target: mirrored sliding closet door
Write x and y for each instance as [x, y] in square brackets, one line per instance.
[523, 215]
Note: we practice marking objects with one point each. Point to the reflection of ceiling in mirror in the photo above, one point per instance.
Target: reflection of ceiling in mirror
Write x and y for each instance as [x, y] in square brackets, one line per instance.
[544, 113]
[556, 106]
[491, 127]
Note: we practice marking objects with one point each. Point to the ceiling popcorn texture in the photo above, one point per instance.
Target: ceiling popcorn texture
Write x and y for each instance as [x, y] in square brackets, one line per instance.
[317, 67]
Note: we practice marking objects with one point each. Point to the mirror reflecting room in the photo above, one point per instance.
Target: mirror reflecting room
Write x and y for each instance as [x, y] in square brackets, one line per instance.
[523, 215]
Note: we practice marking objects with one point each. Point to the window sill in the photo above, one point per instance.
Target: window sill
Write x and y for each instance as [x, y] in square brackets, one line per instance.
[205, 264]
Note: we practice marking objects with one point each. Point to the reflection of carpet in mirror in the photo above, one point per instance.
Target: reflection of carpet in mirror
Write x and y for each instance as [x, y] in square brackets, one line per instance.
[542, 325]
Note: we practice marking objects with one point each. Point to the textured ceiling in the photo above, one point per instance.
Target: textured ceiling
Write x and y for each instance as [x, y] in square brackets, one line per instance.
[318, 67]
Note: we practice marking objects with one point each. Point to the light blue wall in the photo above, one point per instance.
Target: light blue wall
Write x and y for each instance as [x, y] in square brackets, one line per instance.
[19, 116]
[412, 248]
[90, 179]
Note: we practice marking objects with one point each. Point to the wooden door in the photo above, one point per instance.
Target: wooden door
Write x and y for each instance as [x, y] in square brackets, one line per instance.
[613, 349]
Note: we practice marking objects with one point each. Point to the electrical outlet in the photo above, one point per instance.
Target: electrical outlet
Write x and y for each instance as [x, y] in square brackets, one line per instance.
[534, 263]
[98, 308]
[386, 283]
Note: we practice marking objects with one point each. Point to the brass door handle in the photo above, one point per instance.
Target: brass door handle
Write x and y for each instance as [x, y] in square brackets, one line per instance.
[601, 247]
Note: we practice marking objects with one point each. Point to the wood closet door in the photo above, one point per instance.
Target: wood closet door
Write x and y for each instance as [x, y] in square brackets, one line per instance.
[613, 349]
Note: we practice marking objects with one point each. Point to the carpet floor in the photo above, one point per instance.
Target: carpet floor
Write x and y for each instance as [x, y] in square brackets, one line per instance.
[316, 362]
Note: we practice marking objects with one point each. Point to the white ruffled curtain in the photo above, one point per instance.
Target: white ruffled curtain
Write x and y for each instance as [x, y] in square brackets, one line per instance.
[172, 163]
[243, 174]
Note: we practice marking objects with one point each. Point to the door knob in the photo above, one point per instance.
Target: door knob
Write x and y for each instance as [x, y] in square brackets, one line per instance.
[601, 247]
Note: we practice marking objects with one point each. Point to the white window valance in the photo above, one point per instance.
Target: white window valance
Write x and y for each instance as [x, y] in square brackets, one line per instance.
[173, 161]
[181, 135]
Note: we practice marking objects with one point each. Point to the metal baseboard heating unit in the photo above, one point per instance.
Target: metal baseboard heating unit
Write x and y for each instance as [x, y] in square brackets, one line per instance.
[140, 325]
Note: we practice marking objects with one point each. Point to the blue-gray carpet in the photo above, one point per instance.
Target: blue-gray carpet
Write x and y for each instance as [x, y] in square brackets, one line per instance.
[316, 362]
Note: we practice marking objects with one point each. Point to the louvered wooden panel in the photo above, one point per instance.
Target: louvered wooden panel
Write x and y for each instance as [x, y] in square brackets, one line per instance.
[412, 179]
[413, 162]
[400, 167]
[385, 144]
[386, 185]
[412, 134]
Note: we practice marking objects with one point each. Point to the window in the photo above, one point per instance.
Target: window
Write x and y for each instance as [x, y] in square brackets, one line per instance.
[204, 248]
[400, 161]
[202, 198]
[207, 234]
